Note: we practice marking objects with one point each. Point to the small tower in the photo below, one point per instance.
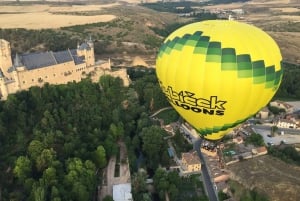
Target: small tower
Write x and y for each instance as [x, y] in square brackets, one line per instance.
[90, 56]
[90, 42]
[87, 50]
[5, 57]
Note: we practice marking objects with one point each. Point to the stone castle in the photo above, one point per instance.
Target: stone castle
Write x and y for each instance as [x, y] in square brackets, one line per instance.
[35, 69]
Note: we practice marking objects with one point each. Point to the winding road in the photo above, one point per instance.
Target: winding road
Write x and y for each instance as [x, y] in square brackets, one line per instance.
[211, 193]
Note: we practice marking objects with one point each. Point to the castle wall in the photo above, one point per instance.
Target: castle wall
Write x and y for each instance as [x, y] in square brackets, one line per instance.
[56, 74]
[11, 87]
[22, 79]
[122, 73]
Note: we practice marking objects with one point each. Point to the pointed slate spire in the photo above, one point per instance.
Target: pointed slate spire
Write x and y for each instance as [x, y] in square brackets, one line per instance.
[90, 42]
[17, 61]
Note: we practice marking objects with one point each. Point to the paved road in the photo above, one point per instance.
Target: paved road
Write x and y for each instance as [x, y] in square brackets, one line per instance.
[286, 130]
[160, 110]
[291, 136]
[205, 175]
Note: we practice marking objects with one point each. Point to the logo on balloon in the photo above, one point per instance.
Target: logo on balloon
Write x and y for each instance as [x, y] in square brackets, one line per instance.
[188, 101]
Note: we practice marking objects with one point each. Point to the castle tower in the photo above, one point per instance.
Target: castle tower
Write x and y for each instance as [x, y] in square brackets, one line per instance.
[90, 55]
[5, 57]
[87, 50]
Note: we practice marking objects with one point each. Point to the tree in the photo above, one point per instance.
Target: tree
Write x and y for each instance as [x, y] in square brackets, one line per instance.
[146, 197]
[45, 159]
[100, 157]
[274, 110]
[80, 192]
[80, 179]
[55, 196]
[22, 168]
[161, 183]
[174, 178]
[39, 193]
[173, 191]
[34, 149]
[143, 121]
[110, 146]
[117, 131]
[153, 144]
[108, 198]
[139, 184]
[255, 139]
[167, 182]
[222, 196]
[49, 176]
[274, 129]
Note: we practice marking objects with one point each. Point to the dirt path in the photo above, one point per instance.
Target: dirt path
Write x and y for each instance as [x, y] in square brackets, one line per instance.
[107, 187]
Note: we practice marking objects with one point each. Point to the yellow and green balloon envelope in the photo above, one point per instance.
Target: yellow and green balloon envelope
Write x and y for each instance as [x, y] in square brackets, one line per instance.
[218, 73]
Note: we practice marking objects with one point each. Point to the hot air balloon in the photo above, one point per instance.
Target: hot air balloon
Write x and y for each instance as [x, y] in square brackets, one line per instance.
[218, 73]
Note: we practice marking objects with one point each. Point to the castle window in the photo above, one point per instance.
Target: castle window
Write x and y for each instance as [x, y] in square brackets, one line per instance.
[23, 82]
[54, 75]
[32, 80]
[46, 76]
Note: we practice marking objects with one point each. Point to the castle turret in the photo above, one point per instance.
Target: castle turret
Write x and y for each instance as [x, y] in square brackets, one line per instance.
[87, 50]
[90, 56]
[5, 57]
[90, 43]
[17, 61]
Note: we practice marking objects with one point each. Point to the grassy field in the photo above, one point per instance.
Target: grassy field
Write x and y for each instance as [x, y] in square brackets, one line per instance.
[270, 176]
[122, 22]
[45, 16]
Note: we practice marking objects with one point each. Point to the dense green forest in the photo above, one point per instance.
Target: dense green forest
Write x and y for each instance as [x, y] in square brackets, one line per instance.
[55, 140]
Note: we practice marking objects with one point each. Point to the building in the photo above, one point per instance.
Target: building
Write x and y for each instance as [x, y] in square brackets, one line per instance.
[35, 69]
[264, 113]
[259, 151]
[238, 140]
[238, 11]
[286, 123]
[122, 192]
[190, 162]
[283, 105]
